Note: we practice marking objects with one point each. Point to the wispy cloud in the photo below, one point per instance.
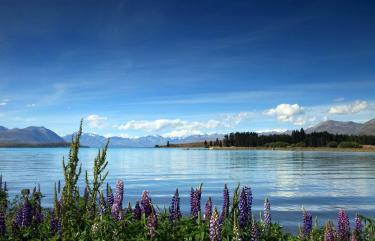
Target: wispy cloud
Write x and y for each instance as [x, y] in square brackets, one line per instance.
[96, 121]
[350, 108]
[179, 127]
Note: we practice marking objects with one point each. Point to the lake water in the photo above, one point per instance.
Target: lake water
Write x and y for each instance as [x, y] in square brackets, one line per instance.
[321, 182]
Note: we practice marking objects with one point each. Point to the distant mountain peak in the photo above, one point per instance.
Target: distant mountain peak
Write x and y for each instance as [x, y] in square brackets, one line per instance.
[344, 127]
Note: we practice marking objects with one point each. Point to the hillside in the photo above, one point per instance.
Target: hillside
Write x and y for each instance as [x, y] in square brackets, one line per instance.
[344, 127]
[30, 136]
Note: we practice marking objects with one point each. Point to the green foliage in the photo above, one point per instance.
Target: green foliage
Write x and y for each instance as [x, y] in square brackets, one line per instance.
[300, 144]
[349, 144]
[332, 144]
[276, 144]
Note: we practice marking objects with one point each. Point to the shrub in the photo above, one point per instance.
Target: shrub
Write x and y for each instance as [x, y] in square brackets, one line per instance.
[349, 144]
[276, 144]
[300, 144]
[332, 144]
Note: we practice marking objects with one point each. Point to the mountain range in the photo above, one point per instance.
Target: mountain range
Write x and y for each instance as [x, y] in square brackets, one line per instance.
[93, 140]
[41, 136]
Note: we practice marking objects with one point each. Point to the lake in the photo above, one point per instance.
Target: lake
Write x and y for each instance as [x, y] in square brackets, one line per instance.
[321, 182]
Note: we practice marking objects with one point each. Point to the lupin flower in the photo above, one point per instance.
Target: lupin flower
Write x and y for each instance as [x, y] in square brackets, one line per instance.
[225, 209]
[354, 237]
[175, 213]
[244, 209]
[146, 204]
[215, 232]
[329, 234]
[249, 199]
[137, 213]
[208, 209]
[267, 214]
[195, 202]
[54, 224]
[117, 202]
[110, 197]
[2, 224]
[357, 226]
[24, 215]
[254, 231]
[152, 221]
[343, 231]
[307, 224]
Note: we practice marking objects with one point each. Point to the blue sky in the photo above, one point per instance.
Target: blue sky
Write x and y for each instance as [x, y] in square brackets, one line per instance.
[133, 68]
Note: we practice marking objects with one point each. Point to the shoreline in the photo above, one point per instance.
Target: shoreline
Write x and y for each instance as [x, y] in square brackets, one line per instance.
[261, 148]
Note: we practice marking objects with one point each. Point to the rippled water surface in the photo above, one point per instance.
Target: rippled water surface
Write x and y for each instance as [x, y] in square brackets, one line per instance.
[321, 182]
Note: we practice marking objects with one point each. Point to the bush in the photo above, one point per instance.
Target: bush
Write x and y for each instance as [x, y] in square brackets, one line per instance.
[332, 144]
[349, 144]
[277, 144]
[300, 144]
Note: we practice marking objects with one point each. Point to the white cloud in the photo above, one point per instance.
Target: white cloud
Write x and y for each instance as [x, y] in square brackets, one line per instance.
[162, 124]
[3, 103]
[288, 113]
[178, 127]
[30, 105]
[351, 108]
[96, 121]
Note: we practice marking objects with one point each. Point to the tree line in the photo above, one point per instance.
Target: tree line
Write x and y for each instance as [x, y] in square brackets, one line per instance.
[297, 137]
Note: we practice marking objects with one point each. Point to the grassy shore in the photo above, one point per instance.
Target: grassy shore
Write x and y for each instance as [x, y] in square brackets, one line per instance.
[365, 148]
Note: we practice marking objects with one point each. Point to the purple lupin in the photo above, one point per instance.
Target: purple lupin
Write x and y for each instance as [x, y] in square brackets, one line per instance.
[2, 224]
[225, 209]
[137, 213]
[307, 224]
[244, 209]
[254, 231]
[267, 214]
[175, 213]
[357, 226]
[152, 221]
[343, 230]
[146, 204]
[329, 234]
[195, 202]
[208, 209]
[215, 233]
[117, 202]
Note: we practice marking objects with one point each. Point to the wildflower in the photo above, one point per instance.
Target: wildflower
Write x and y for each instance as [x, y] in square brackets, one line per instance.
[195, 201]
[146, 204]
[215, 227]
[357, 226]
[137, 211]
[343, 231]
[329, 234]
[208, 209]
[254, 231]
[54, 224]
[354, 236]
[109, 197]
[151, 224]
[95, 228]
[175, 212]
[225, 210]
[249, 199]
[244, 209]
[307, 224]
[2, 224]
[117, 202]
[267, 214]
